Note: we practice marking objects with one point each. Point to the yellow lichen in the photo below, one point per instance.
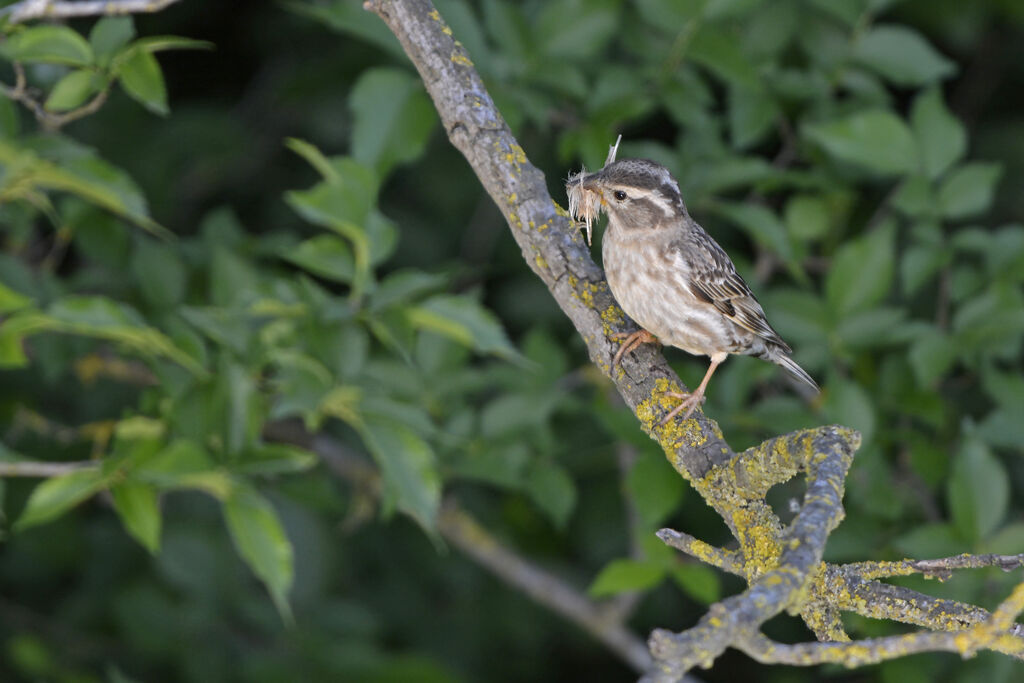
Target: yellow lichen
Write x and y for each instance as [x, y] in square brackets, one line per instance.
[462, 59]
[559, 210]
[515, 154]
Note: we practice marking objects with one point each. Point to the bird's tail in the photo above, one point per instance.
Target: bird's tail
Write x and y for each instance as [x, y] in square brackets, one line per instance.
[790, 366]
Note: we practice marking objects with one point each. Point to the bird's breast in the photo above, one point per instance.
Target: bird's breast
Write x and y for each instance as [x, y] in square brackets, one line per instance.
[651, 286]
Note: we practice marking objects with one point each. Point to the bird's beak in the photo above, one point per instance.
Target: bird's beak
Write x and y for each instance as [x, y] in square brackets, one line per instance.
[592, 182]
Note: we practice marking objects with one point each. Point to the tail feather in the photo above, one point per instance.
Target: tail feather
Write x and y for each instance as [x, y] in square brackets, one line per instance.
[790, 366]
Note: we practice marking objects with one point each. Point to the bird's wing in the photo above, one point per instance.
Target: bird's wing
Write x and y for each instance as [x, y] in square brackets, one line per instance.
[714, 280]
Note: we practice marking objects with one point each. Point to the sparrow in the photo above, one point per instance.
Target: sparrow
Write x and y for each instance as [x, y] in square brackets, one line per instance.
[669, 275]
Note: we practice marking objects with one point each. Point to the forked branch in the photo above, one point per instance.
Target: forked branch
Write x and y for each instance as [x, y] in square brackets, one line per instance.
[782, 563]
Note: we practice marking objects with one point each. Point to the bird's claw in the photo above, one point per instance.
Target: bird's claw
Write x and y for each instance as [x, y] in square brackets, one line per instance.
[690, 403]
[632, 340]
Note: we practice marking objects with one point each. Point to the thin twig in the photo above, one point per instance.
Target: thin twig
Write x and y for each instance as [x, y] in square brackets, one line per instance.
[33, 468]
[67, 9]
[726, 560]
[940, 568]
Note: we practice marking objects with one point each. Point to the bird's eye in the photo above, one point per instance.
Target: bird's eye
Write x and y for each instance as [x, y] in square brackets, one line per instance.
[619, 195]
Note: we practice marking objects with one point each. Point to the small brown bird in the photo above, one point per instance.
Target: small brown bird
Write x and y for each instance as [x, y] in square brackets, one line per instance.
[669, 275]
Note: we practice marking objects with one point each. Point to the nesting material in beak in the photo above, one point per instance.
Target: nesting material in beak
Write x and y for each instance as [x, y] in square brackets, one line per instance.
[585, 202]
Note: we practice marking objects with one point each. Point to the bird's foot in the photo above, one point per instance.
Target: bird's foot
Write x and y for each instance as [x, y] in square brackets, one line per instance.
[689, 404]
[632, 341]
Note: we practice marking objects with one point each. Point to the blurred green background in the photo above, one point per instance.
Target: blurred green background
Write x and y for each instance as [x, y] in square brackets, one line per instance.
[859, 160]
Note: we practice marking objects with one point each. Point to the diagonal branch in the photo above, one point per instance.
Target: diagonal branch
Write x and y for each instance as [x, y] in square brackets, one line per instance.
[781, 563]
[554, 250]
[601, 620]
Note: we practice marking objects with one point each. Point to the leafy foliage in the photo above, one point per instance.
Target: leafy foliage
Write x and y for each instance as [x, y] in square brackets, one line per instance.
[174, 292]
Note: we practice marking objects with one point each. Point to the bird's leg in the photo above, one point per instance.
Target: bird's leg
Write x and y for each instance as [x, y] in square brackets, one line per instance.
[695, 398]
[632, 341]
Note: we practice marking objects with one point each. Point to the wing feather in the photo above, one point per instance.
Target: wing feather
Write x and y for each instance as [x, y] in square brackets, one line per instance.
[714, 280]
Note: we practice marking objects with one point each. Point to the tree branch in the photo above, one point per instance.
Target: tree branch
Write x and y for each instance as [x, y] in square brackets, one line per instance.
[461, 530]
[42, 469]
[26, 10]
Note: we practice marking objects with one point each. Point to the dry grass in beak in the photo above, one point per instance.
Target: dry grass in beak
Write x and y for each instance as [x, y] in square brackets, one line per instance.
[584, 204]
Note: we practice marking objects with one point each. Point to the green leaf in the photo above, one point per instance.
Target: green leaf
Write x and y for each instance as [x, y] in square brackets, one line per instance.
[765, 228]
[990, 323]
[73, 90]
[698, 581]
[48, 43]
[1007, 541]
[393, 118]
[847, 403]
[403, 286]
[720, 53]
[315, 158]
[406, 461]
[872, 327]
[930, 356]
[159, 272]
[901, 55]
[862, 271]
[162, 43]
[109, 35]
[96, 317]
[807, 217]
[261, 541]
[57, 495]
[88, 177]
[136, 503]
[666, 13]
[969, 189]
[623, 575]
[9, 121]
[466, 321]
[553, 490]
[234, 282]
[512, 413]
[655, 488]
[876, 139]
[919, 264]
[270, 459]
[175, 464]
[353, 20]
[979, 490]
[142, 79]
[344, 205]
[941, 138]
[325, 256]
[915, 197]
[575, 30]
[752, 114]
[11, 301]
[930, 540]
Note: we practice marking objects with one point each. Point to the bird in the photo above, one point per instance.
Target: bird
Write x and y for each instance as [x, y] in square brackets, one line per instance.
[670, 276]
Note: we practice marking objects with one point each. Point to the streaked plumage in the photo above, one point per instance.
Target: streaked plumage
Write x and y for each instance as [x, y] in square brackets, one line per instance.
[669, 275]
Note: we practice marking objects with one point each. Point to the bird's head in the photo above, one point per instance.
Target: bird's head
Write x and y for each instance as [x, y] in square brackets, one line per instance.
[637, 195]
